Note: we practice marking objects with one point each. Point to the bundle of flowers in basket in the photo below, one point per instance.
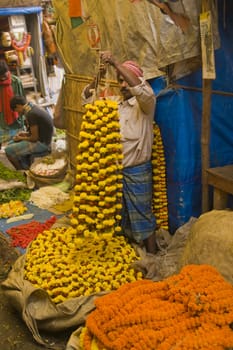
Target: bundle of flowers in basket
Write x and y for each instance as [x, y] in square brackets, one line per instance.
[49, 170]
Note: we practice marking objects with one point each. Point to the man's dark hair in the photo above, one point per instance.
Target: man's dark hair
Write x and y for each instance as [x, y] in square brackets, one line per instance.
[17, 100]
[3, 67]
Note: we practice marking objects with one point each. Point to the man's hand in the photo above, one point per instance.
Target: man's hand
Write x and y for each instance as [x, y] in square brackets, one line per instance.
[107, 58]
[88, 92]
[23, 133]
[17, 138]
[159, 4]
[179, 19]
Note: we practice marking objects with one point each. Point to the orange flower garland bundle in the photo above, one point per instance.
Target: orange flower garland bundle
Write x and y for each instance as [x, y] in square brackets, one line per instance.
[190, 310]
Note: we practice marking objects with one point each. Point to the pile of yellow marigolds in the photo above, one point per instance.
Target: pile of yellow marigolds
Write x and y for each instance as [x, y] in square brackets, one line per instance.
[188, 311]
[12, 208]
[89, 256]
[68, 266]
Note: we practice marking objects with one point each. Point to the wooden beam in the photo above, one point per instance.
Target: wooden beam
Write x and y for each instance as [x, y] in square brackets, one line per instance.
[205, 140]
[221, 178]
[208, 73]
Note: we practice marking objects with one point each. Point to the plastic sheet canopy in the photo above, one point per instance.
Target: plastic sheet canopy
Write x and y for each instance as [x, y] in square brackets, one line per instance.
[131, 30]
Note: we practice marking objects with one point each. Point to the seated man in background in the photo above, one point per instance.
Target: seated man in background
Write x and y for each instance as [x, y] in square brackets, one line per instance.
[36, 139]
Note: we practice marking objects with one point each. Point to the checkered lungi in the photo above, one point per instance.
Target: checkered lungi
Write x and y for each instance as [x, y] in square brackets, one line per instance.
[138, 220]
[23, 148]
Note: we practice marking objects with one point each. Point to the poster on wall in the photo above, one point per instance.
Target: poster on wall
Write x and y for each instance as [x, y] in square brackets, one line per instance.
[207, 47]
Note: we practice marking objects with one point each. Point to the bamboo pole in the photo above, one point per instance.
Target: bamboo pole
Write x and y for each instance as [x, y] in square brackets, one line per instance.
[205, 141]
[208, 72]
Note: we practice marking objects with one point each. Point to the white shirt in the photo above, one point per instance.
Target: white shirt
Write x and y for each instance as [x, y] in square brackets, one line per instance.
[136, 124]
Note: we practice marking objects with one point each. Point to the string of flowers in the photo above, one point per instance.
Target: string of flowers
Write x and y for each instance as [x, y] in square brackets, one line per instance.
[160, 205]
[21, 45]
[190, 310]
[67, 266]
[98, 190]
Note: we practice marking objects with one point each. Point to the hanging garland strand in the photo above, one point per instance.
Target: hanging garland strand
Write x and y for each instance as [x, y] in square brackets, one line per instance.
[21, 45]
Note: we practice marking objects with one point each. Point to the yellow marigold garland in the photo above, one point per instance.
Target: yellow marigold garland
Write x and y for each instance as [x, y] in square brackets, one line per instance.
[188, 311]
[67, 266]
[98, 189]
[160, 205]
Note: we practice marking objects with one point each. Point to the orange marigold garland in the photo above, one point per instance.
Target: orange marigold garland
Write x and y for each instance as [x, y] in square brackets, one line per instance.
[160, 207]
[190, 310]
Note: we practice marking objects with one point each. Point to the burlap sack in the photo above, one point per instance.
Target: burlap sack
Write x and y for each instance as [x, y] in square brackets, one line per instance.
[7, 185]
[211, 242]
[165, 262]
[39, 312]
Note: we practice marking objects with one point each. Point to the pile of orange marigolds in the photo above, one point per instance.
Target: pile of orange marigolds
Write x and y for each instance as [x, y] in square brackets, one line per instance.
[187, 311]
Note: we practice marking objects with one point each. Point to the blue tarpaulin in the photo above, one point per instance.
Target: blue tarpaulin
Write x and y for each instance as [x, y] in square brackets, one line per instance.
[179, 116]
[15, 11]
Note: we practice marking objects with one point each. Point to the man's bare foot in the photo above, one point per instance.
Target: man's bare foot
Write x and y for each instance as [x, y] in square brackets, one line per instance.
[150, 244]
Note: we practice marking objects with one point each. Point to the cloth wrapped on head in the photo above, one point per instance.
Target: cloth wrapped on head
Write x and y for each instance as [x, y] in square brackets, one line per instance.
[133, 67]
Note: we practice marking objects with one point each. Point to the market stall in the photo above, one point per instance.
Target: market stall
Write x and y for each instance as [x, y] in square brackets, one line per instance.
[29, 52]
[23, 24]
[173, 66]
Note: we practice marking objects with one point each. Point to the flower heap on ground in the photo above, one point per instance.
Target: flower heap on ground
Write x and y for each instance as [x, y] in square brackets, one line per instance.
[22, 235]
[12, 208]
[68, 266]
[98, 190]
[160, 206]
[14, 193]
[187, 311]
[88, 258]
